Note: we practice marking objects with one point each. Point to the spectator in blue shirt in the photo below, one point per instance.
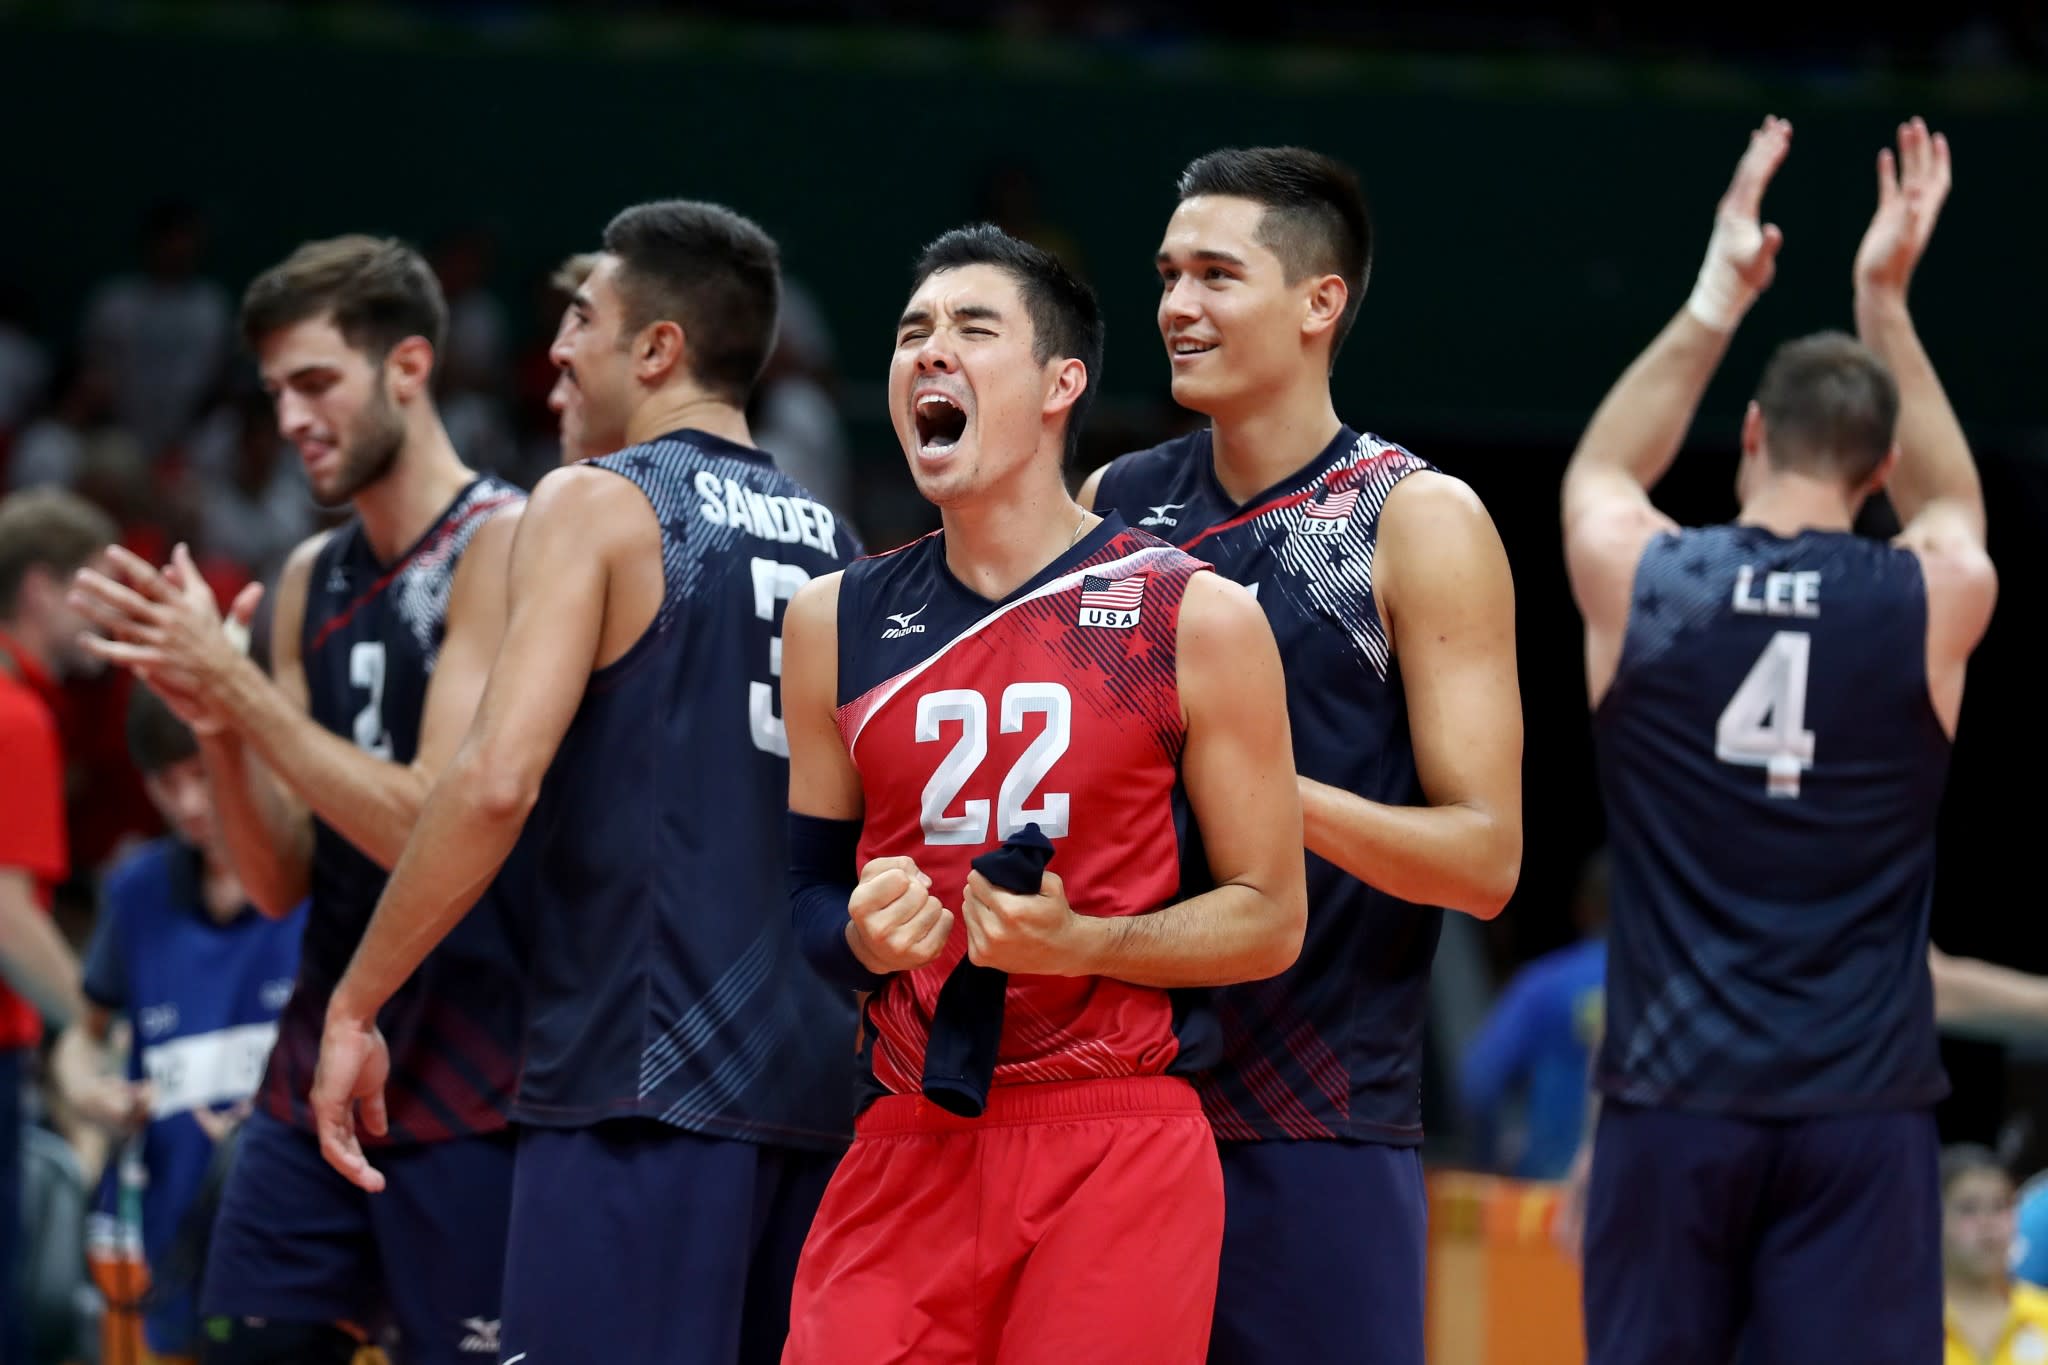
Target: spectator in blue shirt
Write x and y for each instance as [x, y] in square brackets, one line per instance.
[197, 977]
[1532, 1053]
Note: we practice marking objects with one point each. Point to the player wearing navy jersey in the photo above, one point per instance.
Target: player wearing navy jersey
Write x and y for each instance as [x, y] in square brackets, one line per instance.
[1774, 701]
[383, 632]
[688, 1082]
[1389, 592]
[1032, 1179]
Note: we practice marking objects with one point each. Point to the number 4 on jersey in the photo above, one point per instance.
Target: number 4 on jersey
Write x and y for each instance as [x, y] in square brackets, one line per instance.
[1764, 723]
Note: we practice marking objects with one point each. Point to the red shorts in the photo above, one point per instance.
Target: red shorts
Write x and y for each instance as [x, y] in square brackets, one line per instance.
[1074, 1221]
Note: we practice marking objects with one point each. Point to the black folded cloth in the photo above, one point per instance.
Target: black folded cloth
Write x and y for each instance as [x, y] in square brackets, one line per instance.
[967, 1024]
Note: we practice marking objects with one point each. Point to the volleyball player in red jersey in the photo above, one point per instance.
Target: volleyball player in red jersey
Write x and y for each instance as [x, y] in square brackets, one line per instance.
[1030, 664]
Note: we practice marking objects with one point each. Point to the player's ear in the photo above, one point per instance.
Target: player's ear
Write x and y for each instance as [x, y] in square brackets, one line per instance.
[1752, 429]
[660, 350]
[1325, 301]
[409, 368]
[1066, 384]
[1881, 475]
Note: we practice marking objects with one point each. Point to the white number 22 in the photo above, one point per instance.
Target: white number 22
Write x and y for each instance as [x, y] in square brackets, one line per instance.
[1764, 723]
[970, 709]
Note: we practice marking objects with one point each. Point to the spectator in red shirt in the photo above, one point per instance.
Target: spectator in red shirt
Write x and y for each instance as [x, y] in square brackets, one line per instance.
[45, 537]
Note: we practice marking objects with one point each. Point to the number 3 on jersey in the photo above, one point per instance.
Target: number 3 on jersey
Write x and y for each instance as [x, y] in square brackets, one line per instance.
[773, 582]
[1764, 723]
[970, 825]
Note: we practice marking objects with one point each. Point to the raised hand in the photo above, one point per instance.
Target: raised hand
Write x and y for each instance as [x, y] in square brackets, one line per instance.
[165, 626]
[1911, 188]
[1742, 254]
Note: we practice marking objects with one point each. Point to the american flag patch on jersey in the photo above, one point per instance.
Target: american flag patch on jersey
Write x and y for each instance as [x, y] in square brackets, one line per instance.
[1111, 605]
[1329, 515]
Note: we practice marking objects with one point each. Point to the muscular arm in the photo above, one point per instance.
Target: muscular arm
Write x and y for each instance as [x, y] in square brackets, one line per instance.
[268, 835]
[1629, 445]
[1637, 429]
[373, 802]
[560, 570]
[1935, 490]
[1450, 607]
[34, 957]
[1238, 768]
[1969, 991]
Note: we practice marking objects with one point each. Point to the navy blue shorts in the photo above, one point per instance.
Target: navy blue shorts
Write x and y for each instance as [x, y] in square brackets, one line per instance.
[13, 1347]
[637, 1241]
[1324, 1245]
[295, 1242]
[1802, 1240]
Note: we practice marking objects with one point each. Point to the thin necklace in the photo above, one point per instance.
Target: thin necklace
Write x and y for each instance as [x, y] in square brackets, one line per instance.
[1078, 527]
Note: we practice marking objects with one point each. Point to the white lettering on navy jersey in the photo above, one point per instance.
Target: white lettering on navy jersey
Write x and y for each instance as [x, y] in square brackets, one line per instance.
[766, 516]
[1786, 593]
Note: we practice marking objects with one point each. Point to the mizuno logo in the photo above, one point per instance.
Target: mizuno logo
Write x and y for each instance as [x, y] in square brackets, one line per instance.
[482, 1338]
[337, 579]
[1159, 517]
[903, 626]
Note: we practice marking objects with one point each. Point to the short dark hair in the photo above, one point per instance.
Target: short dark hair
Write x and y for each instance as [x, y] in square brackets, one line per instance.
[1066, 321]
[1316, 220]
[711, 271]
[1829, 407]
[378, 290]
[156, 737]
[50, 529]
[1959, 1159]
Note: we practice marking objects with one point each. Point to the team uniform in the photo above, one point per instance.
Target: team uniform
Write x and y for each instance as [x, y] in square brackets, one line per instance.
[1316, 1101]
[295, 1240]
[1078, 1217]
[1771, 765]
[203, 998]
[688, 1081]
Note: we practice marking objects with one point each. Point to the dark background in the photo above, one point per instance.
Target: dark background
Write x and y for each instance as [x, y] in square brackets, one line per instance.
[1542, 191]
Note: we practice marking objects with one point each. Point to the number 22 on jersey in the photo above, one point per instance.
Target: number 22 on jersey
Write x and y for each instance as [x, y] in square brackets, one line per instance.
[1764, 723]
[1012, 806]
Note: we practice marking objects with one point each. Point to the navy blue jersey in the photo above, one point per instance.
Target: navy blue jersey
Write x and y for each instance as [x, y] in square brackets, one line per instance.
[666, 977]
[1332, 1047]
[1771, 765]
[202, 997]
[371, 635]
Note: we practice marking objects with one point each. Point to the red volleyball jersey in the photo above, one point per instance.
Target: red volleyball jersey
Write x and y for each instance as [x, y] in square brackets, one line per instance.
[1060, 705]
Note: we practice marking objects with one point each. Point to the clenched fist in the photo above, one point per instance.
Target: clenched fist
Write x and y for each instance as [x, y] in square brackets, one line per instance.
[897, 925]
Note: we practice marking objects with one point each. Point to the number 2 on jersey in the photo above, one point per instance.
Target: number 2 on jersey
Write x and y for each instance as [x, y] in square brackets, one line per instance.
[1764, 723]
[970, 709]
[366, 670]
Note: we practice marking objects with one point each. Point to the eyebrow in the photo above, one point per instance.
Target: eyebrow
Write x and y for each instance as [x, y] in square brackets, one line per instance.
[316, 367]
[1222, 257]
[970, 312]
[581, 299]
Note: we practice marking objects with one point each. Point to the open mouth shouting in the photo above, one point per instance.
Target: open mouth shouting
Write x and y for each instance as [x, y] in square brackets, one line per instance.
[941, 420]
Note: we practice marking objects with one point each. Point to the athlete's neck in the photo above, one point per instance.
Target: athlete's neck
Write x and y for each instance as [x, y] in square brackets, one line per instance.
[1786, 504]
[28, 637]
[1000, 541]
[221, 889]
[398, 508]
[672, 410]
[1282, 434]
